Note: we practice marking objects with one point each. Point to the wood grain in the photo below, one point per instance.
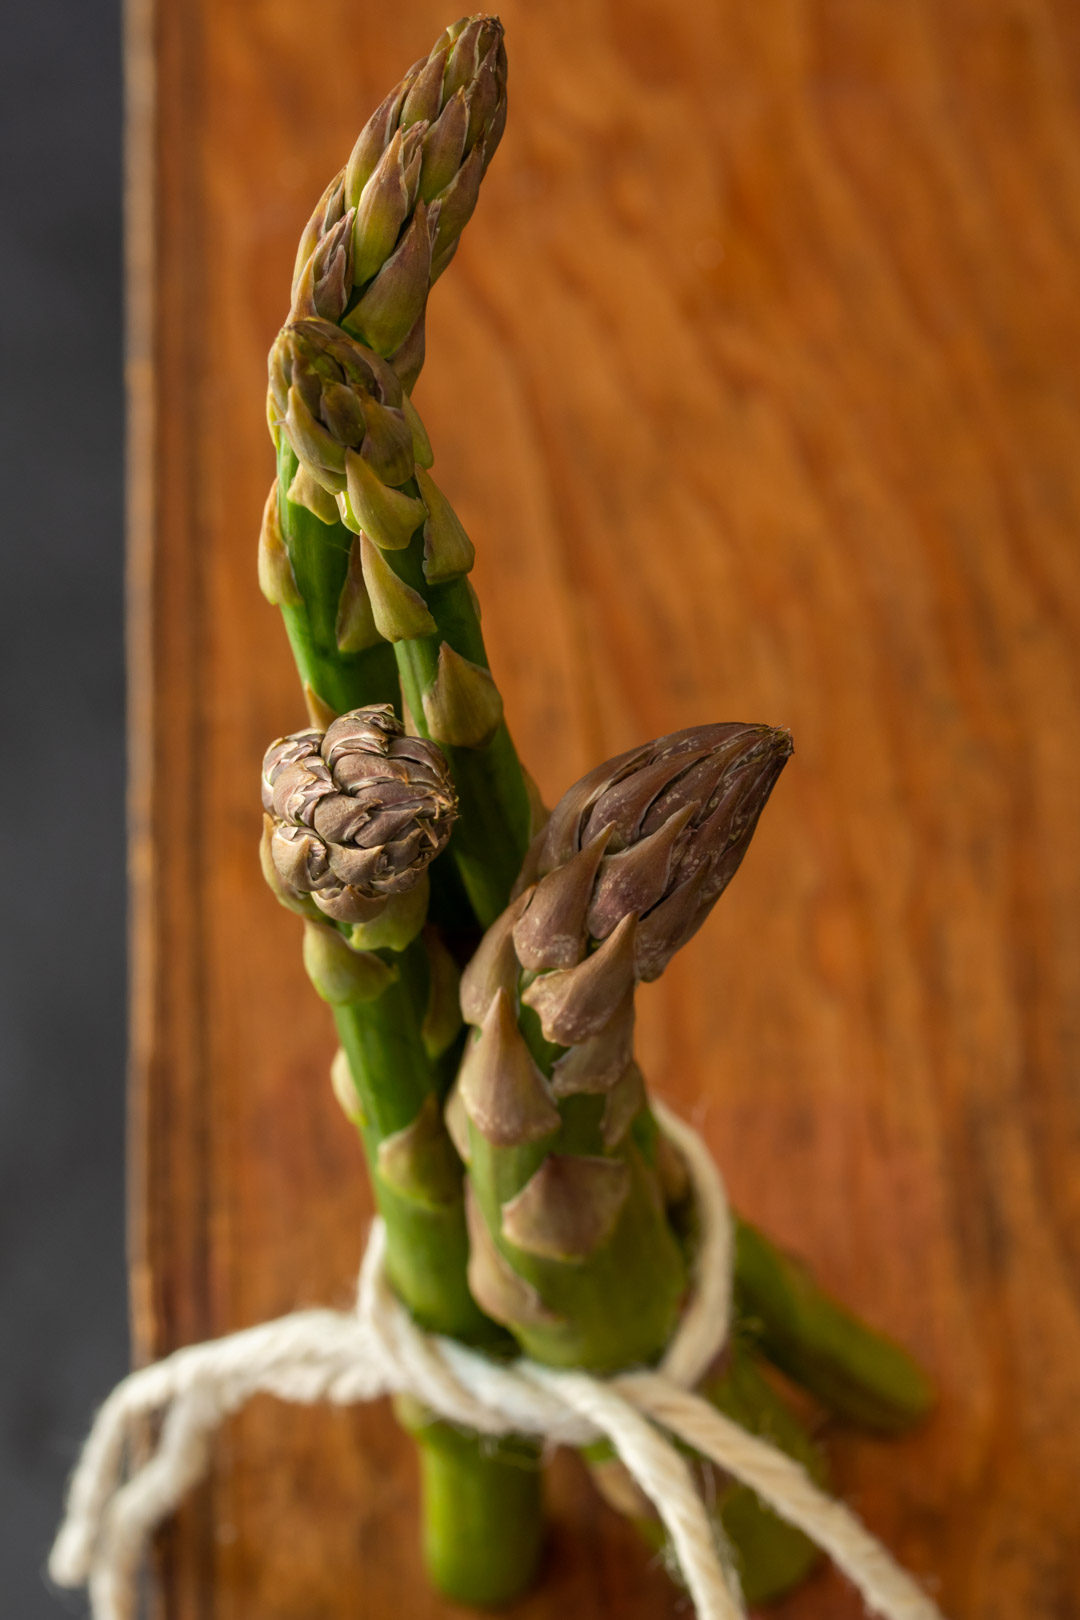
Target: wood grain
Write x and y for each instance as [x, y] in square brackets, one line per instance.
[755, 382]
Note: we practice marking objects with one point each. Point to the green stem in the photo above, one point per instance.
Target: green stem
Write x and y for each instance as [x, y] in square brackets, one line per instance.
[494, 823]
[772, 1555]
[859, 1374]
[427, 1246]
[475, 1496]
[481, 1524]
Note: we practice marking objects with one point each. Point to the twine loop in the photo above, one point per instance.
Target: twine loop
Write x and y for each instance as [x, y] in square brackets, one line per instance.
[345, 1358]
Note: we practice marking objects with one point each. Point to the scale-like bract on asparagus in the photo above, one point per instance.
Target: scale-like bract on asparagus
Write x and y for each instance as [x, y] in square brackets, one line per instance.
[570, 1244]
[339, 404]
[358, 812]
[389, 223]
[358, 441]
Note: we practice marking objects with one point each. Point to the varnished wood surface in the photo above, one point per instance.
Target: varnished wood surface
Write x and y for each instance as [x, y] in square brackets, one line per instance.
[755, 382]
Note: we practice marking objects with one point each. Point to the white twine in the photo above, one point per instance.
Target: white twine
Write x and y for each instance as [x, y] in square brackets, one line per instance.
[114, 1504]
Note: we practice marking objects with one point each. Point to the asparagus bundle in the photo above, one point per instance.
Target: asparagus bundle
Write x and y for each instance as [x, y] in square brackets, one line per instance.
[399, 825]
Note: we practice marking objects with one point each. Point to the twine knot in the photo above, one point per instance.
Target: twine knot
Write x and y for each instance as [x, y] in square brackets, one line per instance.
[345, 1358]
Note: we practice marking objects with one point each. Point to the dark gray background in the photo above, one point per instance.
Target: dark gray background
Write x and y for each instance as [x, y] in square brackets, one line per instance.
[63, 1329]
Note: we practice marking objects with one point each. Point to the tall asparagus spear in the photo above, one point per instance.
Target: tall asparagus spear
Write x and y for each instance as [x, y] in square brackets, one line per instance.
[384, 229]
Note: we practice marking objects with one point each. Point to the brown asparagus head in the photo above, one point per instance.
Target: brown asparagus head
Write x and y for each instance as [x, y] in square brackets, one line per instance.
[656, 834]
[359, 811]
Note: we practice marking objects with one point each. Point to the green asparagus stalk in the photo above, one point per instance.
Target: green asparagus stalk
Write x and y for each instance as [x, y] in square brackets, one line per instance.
[383, 231]
[354, 818]
[858, 1374]
[769, 1564]
[571, 1247]
[386, 227]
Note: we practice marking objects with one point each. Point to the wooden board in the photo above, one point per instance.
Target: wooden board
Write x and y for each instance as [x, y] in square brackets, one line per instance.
[755, 382]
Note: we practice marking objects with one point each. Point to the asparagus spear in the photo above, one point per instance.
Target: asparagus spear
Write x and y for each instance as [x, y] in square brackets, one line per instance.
[571, 1245]
[384, 229]
[354, 818]
[562, 1158]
